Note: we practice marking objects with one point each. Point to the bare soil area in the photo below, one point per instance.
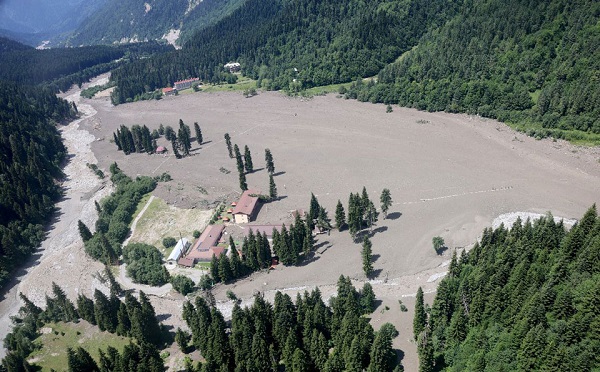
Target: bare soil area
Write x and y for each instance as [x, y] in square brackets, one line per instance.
[449, 175]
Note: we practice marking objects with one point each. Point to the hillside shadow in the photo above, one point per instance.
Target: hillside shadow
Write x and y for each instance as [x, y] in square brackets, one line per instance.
[163, 317]
[311, 259]
[394, 216]
[441, 250]
[321, 244]
[20, 272]
[399, 355]
[376, 273]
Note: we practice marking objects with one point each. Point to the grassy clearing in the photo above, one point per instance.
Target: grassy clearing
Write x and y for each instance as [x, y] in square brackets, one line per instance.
[140, 206]
[161, 220]
[53, 346]
[242, 84]
[319, 91]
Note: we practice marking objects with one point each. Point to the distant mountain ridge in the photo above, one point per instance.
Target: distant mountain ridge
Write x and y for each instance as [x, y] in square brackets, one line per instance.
[35, 20]
[144, 20]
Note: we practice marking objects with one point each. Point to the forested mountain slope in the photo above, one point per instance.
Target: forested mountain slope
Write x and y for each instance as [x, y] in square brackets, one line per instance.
[524, 299]
[293, 44]
[146, 20]
[63, 67]
[533, 63]
[30, 155]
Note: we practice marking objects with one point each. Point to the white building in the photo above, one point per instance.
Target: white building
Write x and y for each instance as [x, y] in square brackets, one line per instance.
[178, 251]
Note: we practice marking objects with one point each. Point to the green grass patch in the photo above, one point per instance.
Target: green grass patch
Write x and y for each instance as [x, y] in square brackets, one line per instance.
[535, 96]
[243, 83]
[322, 90]
[140, 206]
[53, 346]
[202, 265]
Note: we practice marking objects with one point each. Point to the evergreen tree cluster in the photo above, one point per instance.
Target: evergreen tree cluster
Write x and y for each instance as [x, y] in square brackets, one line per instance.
[144, 264]
[31, 153]
[291, 45]
[529, 63]
[255, 255]
[294, 244]
[134, 357]
[522, 299]
[114, 215]
[361, 212]
[306, 335]
[137, 139]
[129, 318]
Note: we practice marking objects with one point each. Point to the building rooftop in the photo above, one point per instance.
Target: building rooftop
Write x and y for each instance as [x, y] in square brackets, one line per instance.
[179, 249]
[247, 203]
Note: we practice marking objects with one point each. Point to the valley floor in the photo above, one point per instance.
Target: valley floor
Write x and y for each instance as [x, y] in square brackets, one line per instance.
[449, 175]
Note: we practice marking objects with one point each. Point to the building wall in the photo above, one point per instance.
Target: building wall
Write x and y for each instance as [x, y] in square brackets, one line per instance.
[241, 218]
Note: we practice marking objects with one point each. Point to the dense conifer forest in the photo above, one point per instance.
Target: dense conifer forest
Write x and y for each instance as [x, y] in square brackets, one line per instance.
[276, 41]
[531, 63]
[61, 68]
[522, 299]
[30, 155]
[307, 335]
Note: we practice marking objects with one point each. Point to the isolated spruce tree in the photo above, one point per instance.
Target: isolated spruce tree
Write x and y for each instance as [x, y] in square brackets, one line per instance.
[236, 263]
[323, 220]
[198, 131]
[371, 214]
[269, 161]
[340, 216]
[243, 184]
[224, 268]
[354, 215]
[272, 188]
[420, 319]
[367, 298]
[367, 258]
[382, 355]
[117, 141]
[248, 160]
[425, 351]
[175, 147]
[228, 143]
[84, 231]
[313, 211]
[182, 338]
[161, 129]
[147, 140]
[386, 201]
[169, 133]
[214, 268]
[238, 158]
[184, 140]
[85, 309]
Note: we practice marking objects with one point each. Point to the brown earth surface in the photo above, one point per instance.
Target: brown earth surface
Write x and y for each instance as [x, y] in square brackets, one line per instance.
[449, 175]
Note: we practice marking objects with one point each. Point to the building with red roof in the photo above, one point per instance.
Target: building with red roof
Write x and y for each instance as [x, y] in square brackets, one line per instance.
[168, 91]
[205, 247]
[246, 207]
